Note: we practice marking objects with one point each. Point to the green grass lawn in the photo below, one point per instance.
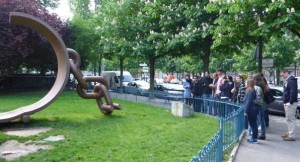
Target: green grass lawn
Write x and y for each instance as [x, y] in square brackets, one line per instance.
[138, 133]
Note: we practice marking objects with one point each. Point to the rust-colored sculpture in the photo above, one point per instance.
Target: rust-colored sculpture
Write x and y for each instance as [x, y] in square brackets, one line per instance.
[100, 89]
[64, 65]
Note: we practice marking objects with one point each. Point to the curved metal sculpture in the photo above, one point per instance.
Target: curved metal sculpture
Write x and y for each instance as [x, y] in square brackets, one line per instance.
[64, 63]
[100, 89]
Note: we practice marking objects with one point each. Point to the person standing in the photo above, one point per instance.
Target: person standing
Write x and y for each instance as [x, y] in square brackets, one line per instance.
[207, 91]
[219, 83]
[266, 94]
[187, 86]
[261, 90]
[231, 83]
[197, 94]
[290, 104]
[236, 88]
[214, 84]
[225, 88]
[251, 110]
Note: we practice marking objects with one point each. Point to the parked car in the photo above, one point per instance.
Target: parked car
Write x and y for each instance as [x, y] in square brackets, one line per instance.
[165, 91]
[137, 87]
[276, 107]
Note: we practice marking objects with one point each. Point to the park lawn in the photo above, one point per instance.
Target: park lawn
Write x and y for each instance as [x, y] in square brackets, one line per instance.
[139, 132]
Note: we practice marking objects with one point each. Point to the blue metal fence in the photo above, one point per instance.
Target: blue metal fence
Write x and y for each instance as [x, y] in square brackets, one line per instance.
[231, 126]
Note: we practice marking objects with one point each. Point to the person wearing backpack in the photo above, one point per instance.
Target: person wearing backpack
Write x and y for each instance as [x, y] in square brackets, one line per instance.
[251, 109]
[261, 89]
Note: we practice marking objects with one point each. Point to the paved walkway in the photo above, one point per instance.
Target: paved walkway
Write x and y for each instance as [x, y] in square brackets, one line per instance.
[273, 149]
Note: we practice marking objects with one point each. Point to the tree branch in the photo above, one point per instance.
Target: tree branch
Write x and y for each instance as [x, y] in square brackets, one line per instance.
[295, 32]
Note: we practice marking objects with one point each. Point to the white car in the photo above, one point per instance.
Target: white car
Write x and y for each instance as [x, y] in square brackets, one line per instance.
[137, 87]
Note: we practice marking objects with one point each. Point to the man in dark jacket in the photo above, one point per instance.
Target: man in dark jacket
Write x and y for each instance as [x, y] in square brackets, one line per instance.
[207, 91]
[197, 93]
[290, 103]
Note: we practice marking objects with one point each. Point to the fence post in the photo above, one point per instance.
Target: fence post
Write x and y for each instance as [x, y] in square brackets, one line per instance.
[220, 149]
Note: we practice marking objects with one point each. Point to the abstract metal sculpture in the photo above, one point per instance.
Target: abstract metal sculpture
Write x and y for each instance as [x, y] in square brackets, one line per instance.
[64, 65]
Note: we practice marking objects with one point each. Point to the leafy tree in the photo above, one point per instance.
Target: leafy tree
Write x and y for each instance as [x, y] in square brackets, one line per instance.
[284, 52]
[116, 25]
[22, 47]
[85, 37]
[243, 22]
[49, 3]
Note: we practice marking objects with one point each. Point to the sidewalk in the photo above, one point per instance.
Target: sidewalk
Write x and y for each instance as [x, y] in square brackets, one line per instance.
[273, 149]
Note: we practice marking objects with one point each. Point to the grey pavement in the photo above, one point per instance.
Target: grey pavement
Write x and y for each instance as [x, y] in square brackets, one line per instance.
[273, 149]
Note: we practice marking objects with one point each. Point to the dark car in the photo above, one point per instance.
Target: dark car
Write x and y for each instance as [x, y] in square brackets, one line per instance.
[276, 107]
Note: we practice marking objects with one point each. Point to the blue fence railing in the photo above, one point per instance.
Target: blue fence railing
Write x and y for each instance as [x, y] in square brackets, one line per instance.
[231, 126]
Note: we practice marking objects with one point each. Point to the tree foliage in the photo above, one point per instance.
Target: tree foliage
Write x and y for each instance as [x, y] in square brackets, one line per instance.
[22, 47]
[49, 3]
[207, 35]
[243, 21]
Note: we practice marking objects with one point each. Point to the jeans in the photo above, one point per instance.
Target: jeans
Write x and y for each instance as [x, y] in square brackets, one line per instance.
[197, 103]
[207, 106]
[252, 118]
[262, 120]
[267, 117]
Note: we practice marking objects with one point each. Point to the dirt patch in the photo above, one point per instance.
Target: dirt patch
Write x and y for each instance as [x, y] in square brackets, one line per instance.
[11, 150]
[25, 132]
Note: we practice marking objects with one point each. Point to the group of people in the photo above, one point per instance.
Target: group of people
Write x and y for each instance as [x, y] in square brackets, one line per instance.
[256, 89]
[218, 87]
[253, 94]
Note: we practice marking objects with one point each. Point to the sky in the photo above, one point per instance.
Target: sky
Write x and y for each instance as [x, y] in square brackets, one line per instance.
[63, 10]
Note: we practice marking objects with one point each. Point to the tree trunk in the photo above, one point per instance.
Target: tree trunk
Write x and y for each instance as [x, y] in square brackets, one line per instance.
[206, 58]
[152, 73]
[277, 76]
[260, 47]
[121, 73]
[100, 64]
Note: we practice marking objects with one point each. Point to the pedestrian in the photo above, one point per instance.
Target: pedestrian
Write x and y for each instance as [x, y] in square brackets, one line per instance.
[261, 90]
[290, 104]
[219, 83]
[187, 86]
[231, 83]
[207, 91]
[251, 109]
[266, 99]
[213, 86]
[197, 93]
[225, 89]
[235, 90]
[240, 90]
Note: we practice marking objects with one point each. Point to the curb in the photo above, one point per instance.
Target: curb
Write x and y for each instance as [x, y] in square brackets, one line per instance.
[235, 149]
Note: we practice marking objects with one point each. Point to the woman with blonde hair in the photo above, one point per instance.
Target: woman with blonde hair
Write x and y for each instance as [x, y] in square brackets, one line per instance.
[251, 109]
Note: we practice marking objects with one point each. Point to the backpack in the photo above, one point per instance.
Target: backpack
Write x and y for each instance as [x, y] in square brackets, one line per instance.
[259, 96]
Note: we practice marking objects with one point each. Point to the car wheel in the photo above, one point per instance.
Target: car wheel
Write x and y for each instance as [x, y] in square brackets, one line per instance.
[297, 113]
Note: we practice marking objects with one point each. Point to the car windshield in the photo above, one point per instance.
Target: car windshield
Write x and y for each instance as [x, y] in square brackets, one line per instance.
[127, 78]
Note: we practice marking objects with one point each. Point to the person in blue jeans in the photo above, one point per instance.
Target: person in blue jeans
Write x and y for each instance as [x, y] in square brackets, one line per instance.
[259, 81]
[251, 109]
[187, 86]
